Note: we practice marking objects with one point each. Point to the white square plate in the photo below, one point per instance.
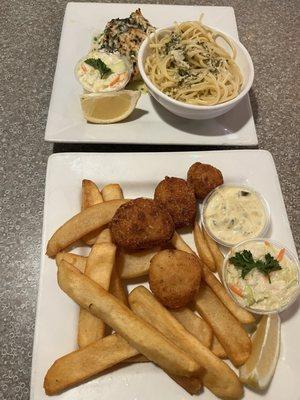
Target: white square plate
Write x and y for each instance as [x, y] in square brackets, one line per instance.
[150, 123]
[138, 174]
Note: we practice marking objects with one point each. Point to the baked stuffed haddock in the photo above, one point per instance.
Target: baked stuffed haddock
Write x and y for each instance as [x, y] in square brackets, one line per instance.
[125, 35]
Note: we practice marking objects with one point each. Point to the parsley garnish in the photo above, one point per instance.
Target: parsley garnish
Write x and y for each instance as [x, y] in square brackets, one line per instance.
[182, 72]
[172, 43]
[99, 65]
[245, 262]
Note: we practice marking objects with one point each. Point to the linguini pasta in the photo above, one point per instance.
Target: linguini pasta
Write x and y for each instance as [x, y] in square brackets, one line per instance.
[187, 64]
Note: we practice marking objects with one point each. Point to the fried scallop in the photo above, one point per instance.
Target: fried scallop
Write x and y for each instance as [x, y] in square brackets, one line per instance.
[204, 178]
[141, 224]
[174, 277]
[178, 198]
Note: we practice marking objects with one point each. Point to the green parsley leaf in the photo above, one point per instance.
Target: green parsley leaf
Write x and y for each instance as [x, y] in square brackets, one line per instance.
[245, 262]
[182, 72]
[99, 65]
[270, 264]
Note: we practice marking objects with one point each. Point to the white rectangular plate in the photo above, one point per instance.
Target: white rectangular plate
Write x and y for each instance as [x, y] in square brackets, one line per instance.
[138, 174]
[150, 123]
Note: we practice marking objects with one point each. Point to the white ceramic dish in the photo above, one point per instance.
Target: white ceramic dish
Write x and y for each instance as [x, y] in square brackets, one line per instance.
[150, 123]
[56, 318]
[190, 111]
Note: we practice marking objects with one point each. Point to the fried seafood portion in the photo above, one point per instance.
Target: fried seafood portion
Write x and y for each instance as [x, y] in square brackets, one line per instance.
[142, 224]
[178, 197]
[204, 178]
[174, 277]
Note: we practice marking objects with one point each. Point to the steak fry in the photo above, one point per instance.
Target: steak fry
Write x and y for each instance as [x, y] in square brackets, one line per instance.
[226, 327]
[139, 334]
[218, 377]
[82, 223]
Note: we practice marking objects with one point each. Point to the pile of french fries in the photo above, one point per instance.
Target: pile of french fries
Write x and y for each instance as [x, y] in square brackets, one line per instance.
[188, 344]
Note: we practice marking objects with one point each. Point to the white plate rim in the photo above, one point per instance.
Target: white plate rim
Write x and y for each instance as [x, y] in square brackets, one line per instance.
[239, 138]
[52, 158]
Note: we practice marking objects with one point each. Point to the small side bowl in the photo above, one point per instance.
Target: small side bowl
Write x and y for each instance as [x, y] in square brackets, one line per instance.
[288, 253]
[191, 111]
[107, 90]
[263, 231]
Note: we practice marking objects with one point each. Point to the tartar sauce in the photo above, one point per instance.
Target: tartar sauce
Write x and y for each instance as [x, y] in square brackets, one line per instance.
[233, 214]
[112, 74]
[255, 290]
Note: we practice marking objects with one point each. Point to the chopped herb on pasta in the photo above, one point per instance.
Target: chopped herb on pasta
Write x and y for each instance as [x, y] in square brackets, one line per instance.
[188, 65]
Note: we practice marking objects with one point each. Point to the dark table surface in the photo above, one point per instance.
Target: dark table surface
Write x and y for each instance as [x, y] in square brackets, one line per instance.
[29, 44]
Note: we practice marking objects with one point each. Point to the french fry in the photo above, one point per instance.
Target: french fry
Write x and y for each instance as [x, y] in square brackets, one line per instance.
[202, 248]
[216, 286]
[91, 238]
[139, 334]
[179, 244]
[116, 285]
[80, 365]
[134, 264]
[81, 224]
[226, 327]
[218, 377]
[100, 263]
[99, 268]
[112, 191]
[104, 236]
[90, 196]
[136, 359]
[215, 251]
[217, 348]
[191, 385]
[116, 288]
[195, 325]
[77, 261]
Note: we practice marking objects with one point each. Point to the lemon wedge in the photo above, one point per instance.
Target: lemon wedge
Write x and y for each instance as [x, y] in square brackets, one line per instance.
[259, 369]
[110, 107]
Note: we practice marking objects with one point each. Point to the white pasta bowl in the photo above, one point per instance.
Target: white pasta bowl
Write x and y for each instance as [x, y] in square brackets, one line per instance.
[190, 111]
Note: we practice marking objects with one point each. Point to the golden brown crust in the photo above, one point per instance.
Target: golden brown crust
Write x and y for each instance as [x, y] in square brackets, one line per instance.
[178, 197]
[142, 224]
[81, 224]
[204, 178]
[174, 277]
[229, 331]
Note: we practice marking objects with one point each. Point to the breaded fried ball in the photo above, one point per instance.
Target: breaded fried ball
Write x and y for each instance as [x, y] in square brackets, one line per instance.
[204, 178]
[178, 198]
[141, 224]
[174, 277]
